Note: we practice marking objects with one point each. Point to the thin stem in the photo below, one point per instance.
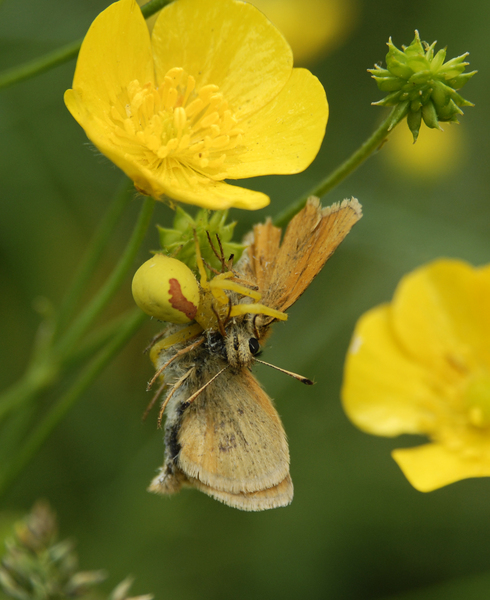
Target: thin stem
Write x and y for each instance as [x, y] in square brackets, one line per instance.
[67, 400]
[37, 378]
[57, 57]
[45, 369]
[150, 8]
[94, 341]
[344, 170]
[94, 252]
[39, 65]
[45, 373]
[97, 305]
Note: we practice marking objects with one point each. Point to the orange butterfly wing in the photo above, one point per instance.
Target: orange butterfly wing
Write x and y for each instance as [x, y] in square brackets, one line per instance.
[282, 271]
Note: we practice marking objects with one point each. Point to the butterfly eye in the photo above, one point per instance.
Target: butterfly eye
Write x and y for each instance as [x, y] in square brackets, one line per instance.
[254, 345]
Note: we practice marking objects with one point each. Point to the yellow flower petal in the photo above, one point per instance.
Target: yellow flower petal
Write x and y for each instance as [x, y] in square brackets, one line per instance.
[433, 466]
[283, 137]
[115, 51]
[384, 391]
[441, 313]
[215, 195]
[225, 43]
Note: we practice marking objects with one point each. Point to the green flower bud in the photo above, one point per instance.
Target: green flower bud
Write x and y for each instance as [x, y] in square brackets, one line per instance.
[179, 242]
[165, 288]
[416, 78]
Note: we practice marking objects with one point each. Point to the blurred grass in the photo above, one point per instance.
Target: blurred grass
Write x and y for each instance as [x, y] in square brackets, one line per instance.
[356, 529]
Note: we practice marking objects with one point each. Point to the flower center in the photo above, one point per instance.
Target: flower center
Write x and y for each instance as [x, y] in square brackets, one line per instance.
[477, 397]
[175, 125]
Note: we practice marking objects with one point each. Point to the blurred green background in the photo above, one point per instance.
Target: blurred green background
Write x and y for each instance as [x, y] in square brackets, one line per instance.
[356, 529]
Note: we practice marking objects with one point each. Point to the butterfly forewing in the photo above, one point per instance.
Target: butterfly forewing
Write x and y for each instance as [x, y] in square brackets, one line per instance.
[283, 272]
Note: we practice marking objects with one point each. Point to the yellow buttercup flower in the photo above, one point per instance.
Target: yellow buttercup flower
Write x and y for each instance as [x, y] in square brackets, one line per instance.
[421, 365]
[212, 95]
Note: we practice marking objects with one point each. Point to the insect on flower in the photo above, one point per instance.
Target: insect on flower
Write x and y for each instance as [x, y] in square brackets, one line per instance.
[223, 435]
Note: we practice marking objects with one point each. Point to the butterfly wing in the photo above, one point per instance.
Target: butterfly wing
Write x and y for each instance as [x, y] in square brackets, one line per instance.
[274, 497]
[282, 272]
[231, 438]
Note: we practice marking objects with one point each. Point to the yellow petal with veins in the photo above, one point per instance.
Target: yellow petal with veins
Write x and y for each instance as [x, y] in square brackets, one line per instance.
[115, 51]
[226, 43]
[285, 135]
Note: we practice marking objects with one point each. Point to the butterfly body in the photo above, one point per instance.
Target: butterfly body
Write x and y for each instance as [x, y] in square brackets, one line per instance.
[223, 435]
[229, 442]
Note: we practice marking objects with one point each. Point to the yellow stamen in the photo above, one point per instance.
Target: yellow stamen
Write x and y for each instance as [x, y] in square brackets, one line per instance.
[175, 125]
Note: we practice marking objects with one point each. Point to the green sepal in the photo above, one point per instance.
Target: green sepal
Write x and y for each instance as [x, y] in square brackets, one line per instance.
[458, 82]
[429, 114]
[399, 114]
[179, 242]
[414, 120]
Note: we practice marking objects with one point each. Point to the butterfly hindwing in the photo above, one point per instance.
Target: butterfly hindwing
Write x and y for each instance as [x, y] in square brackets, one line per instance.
[231, 438]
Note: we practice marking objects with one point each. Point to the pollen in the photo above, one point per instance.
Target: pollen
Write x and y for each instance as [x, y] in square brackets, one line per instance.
[175, 125]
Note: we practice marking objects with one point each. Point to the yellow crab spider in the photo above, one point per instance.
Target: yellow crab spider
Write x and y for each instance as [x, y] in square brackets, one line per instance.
[166, 289]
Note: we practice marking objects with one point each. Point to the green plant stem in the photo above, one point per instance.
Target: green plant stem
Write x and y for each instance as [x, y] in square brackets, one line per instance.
[153, 6]
[94, 253]
[39, 65]
[94, 341]
[373, 143]
[46, 367]
[97, 305]
[68, 399]
[37, 378]
[57, 57]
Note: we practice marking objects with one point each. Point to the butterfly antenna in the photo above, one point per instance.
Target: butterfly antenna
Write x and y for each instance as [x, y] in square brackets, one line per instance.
[223, 261]
[176, 386]
[230, 306]
[221, 327]
[304, 380]
[212, 269]
[219, 255]
[256, 331]
[196, 394]
[229, 264]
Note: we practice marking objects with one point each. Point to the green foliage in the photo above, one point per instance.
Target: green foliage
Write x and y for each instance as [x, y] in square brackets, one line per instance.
[179, 242]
